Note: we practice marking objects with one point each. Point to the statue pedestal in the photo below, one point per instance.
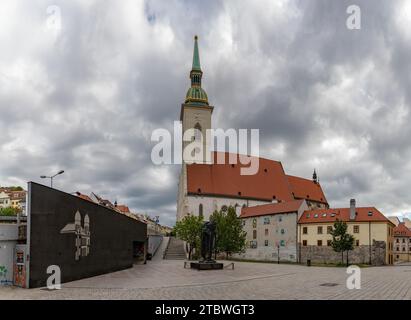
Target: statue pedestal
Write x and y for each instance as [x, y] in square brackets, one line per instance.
[206, 265]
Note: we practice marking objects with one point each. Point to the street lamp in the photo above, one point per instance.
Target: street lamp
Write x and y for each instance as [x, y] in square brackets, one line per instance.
[51, 177]
[157, 221]
[278, 253]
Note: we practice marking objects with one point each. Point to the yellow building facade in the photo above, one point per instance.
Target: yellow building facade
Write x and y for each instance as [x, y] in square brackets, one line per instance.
[369, 227]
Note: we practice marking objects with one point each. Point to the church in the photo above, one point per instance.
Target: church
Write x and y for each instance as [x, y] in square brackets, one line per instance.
[205, 187]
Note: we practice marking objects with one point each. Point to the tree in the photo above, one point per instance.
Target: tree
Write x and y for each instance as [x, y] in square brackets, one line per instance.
[231, 238]
[218, 217]
[9, 211]
[189, 229]
[342, 241]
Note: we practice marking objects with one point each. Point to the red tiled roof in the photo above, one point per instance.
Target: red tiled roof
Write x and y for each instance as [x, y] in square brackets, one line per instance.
[402, 230]
[342, 214]
[225, 180]
[84, 197]
[270, 182]
[123, 208]
[271, 209]
[17, 195]
[306, 189]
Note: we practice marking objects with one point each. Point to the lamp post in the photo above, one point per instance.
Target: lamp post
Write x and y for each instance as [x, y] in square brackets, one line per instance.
[51, 177]
[278, 253]
[157, 221]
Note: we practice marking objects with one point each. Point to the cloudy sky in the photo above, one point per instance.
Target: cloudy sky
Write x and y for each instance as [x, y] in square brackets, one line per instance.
[84, 83]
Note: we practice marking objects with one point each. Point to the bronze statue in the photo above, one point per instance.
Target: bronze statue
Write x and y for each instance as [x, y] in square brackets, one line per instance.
[208, 242]
[208, 237]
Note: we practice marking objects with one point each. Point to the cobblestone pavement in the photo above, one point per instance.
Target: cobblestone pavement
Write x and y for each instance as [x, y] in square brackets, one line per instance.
[167, 279]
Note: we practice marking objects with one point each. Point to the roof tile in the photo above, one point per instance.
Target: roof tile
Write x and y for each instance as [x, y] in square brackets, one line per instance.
[271, 209]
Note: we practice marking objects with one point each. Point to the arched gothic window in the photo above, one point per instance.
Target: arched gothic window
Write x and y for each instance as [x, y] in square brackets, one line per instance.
[200, 210]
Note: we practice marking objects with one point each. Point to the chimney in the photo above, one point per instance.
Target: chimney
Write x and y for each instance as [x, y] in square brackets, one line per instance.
[352, 209]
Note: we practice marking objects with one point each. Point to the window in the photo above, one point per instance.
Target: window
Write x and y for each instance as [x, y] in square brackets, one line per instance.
[403, 240]
[254, 223]
[224, 208]
[305, 230]
[397, 241]
[319, 243]
[329, 229]
[304, 243]
[280, 218]
[266, 220]
[254, 234]
[266, 243]
[357, 242]
[319, 230]
[403, 249]
[316, 215]
[324, 215]
[308, 215]
[200, 210]
[243, 222]
[329, 243]
[266, 232]
[282, 243]
[356, 229]
[370, 213]
[282, 231]
[398, 249]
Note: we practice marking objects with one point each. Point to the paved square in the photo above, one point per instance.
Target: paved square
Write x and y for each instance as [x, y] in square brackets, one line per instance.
[165, 279]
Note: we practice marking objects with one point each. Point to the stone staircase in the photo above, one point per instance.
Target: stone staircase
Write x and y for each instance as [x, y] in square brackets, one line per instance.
[175, 250]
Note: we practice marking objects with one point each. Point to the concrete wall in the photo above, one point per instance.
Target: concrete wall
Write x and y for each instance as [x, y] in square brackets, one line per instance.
[154, 242]
[114, 239]
[360, 254]
[8, 241]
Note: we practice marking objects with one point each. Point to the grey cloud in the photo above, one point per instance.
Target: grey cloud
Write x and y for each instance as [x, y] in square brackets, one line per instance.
[88, 100]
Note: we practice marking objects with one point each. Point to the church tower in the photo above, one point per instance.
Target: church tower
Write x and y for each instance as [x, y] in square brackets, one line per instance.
[196, 113]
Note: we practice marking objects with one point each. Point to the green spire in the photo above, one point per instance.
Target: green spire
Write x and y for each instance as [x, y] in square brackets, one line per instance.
[196, 56]
[196, 95]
